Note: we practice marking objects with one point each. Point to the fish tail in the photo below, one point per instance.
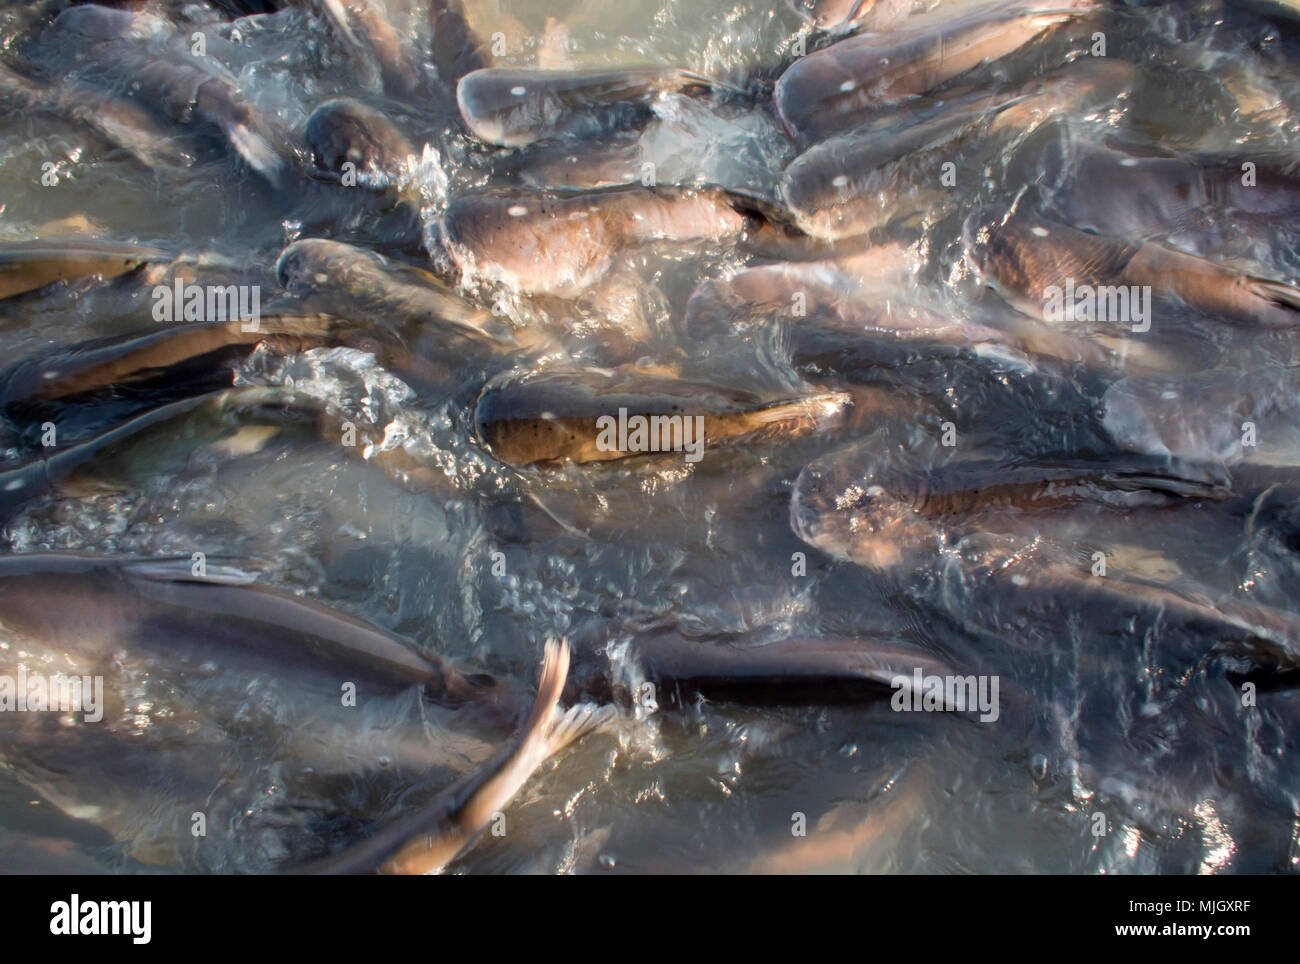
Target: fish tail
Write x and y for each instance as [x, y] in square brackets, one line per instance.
[577, 722]
[1281, 294]
[826, 407]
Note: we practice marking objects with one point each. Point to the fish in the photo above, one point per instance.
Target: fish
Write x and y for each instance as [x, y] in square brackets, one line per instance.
[984, 526]
[544, 243]
[1026, 258]
[200, 654]
[120, 48]
[566, 415]
[1199, 203]
[862, 313]
[365, 28]
[31, 265]
[426, 841]
[62, 463]
[836, 88]
[1199, 415]
[513, 107]
[883, 510]
[357, 283]
[839, 16]
[91, 604]
[120, 123]
[857, 182]
[742, 667]
[170, 361]
[346, 131]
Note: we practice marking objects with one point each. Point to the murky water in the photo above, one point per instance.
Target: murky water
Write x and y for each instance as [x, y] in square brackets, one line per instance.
[1146, 730]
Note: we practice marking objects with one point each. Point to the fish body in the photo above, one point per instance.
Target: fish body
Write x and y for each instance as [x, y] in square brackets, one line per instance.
[31, 265]
[119, 48]
[512, 107]
[541, 243]
[429, 839]
[566, 416]
[837, 87]
[1029, 260]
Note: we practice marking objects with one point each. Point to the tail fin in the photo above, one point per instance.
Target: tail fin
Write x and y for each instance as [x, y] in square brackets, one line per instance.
[1281, 294]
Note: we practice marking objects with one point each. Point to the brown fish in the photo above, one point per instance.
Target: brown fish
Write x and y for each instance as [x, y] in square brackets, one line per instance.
[428, 840]
[836, 88]
[30, 265]
[596, 416]
[542, 243]
[1035, 263]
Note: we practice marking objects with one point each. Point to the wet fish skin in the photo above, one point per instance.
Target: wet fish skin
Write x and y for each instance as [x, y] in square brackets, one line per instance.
[30, 265]
[1024, 255]
[426, 841]
[362, 284]
[540, 243]
[117, 44]
[196, 353]
[861, 180]
[512, 107]
[833, 89]
[346, 131]
[741, 668]
[880, 514]
[1194, 202]
[552, 416]
[92, 602]
[119, 122]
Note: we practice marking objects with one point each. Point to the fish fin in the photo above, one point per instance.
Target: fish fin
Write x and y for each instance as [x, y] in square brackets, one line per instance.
[826, 406]
[579, 720]
[555, 670]
[691, 77]
[1280, 293]
[255, 150]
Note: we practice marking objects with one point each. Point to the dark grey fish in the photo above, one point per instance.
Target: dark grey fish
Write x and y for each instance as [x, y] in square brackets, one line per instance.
[862, 180]
[457, 48]
[365, 27]
[558, 415]
[120, 123]
[345, 131]
[511, 107]
[171, 361]
[735, 667]
[836, 88]
[1200, 415]
[363, 285]
[884, 510]
[903, 516]
[139, 52]
[94, 604]
[1200, 203]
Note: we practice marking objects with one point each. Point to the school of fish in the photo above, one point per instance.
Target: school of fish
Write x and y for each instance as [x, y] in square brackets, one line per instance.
[801, 436]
